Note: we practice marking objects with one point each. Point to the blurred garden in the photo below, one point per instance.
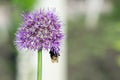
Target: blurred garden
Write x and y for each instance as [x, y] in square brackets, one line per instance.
[93, 51]
[94, 54]
[10, 12]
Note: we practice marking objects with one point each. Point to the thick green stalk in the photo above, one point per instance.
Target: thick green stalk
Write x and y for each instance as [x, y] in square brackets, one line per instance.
[39, 73]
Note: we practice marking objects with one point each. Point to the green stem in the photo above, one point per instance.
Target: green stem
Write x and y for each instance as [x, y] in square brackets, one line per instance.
[39, 74]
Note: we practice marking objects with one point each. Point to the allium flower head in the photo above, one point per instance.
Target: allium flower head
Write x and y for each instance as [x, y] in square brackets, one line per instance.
[40, 30]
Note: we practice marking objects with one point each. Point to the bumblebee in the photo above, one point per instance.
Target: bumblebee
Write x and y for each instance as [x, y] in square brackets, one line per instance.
[54, 56]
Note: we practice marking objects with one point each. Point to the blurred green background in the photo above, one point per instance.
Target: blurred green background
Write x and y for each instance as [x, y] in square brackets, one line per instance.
[93, 52]
[10, 12]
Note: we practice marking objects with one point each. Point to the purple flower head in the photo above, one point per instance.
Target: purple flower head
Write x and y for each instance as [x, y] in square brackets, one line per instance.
[40, 30]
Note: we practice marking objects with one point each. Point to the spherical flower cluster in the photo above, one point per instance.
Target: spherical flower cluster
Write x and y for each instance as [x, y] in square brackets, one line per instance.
[40, 30]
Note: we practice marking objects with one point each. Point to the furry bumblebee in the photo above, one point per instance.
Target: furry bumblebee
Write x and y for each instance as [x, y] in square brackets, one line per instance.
[54, 57]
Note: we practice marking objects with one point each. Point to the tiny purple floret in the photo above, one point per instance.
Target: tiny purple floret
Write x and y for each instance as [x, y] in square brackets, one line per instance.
[40, 30]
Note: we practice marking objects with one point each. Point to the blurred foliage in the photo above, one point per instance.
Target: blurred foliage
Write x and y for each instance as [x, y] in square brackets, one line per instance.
[85, 42]
[8, 59]
[116, 10]
[95, 54]
[24, 4]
